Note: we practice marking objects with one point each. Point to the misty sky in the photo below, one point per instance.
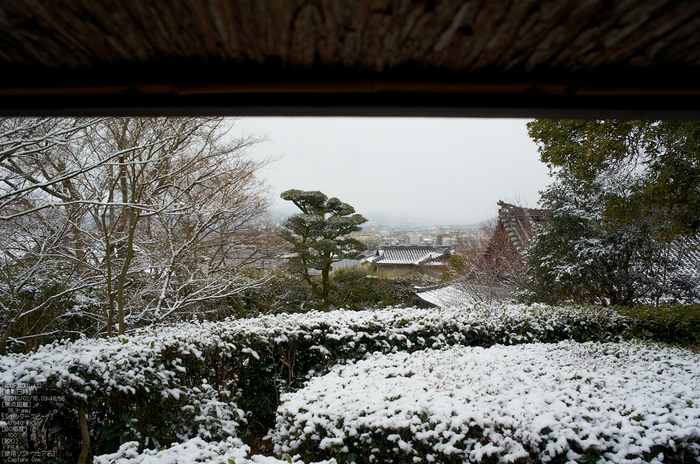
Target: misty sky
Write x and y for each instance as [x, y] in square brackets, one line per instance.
[438, 170]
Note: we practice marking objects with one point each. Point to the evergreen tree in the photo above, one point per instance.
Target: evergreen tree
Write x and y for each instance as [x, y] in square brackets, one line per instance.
[620, 209]
[585, 256]
[316, 235]
[656, 163]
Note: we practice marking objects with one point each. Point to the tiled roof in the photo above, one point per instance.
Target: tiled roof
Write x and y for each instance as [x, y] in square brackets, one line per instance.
[689, 250]
[456, 293]
[414, 254]
[444, 296]
[519, 223]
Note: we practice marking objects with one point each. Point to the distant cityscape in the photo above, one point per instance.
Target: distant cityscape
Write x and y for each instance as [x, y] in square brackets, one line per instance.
[375, 235]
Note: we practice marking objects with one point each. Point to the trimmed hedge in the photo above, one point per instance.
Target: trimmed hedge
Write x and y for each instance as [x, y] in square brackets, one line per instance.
[677, 324]
[217, 379]
[567, 402]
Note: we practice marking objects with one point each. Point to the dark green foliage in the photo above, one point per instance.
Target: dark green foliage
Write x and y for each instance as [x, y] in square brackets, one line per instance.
[587, 147]
[673, 187]
[587, 257]
[357, 288]
[282, 293]
[350, 288]
[623, 204]
[62, 312]
[676, 324]
[373, 446]
[662, 159]
[316, 235]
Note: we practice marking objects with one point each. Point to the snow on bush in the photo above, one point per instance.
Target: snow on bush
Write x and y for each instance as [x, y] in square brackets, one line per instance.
[195, 450]
[626, 402]
[174, 383]
[147, 388]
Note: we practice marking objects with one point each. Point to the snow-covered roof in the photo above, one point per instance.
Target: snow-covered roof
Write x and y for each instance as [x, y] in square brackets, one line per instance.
[689, 250]
[412, 254]
[444, 296]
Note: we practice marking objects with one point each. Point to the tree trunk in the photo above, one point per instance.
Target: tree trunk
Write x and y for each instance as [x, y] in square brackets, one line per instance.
[325, 286]
[85, 437]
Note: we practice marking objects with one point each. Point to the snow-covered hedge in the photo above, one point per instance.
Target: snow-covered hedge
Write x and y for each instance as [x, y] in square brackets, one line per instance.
[205, 379]
[192, 451]
[667, 323]
[622, 403]
[149, 388]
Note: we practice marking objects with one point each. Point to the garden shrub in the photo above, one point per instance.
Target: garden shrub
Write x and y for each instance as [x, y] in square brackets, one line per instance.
[668, 323]
[282, 293]
[566, 402]
[231, 451]
[147, 389]
[62, 313]
[156, 386]
[360, 289]
[351, 288]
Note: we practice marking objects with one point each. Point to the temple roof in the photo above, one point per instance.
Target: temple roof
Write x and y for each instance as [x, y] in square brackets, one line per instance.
[519, 223]
[411, 255]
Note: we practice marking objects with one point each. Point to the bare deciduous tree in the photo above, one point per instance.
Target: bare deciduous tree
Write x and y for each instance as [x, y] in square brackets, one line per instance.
[486, 266]
[160, 214]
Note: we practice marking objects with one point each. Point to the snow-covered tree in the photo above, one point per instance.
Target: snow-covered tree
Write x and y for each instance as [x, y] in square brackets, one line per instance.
[656, 162]
[43, 288]
[609, 239]
[149, 217]
[317, 237]
[166, 216]
[584, 256]
[196, 246]
[32, 176]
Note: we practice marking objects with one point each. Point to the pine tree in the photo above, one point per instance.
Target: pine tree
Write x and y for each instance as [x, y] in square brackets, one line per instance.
[317, 237]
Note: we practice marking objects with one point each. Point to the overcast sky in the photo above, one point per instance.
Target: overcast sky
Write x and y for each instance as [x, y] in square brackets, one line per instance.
[437, 170]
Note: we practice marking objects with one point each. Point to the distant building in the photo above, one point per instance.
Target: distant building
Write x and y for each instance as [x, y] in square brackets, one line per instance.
[445, 296]
[346, 263]
[394, 261]
[516, 227]
[502, 259]
[365, 235]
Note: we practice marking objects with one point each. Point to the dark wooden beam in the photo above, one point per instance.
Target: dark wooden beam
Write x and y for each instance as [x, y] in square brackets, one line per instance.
[386, 104]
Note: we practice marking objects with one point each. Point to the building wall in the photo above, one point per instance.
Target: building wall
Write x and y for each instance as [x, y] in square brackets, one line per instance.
[400, 270]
